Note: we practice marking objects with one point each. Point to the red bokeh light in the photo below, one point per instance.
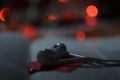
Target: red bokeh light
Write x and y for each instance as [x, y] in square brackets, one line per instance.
[4, 14]
[29, 31]
[63, 1]
[52, 17]
[80, 36]
[92, 11]
[91, 21]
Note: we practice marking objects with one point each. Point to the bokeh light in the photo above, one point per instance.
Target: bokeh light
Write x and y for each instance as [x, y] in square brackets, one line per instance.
[29, 31]
[52, 17]
[91, 21]
[92, 11]
[63, 1]
[80, 36]
[4, 14]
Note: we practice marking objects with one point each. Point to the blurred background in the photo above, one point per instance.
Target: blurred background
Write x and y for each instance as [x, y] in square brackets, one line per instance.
[78, 19]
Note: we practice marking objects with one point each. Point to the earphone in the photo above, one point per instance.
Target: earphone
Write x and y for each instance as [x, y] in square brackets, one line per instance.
[57, 55]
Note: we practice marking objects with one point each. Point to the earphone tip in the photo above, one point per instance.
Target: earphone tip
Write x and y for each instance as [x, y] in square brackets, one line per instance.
[59, 46]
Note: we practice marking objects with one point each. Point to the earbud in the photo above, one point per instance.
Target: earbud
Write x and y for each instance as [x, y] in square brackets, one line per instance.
[60, 50]
[47, 56]
[57, 55]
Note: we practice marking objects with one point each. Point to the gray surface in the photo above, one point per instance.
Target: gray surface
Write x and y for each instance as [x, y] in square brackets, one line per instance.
[107, 48]
[13, 56]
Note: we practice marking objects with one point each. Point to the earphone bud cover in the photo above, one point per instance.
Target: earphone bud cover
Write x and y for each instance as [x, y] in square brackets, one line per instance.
[46, 56]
